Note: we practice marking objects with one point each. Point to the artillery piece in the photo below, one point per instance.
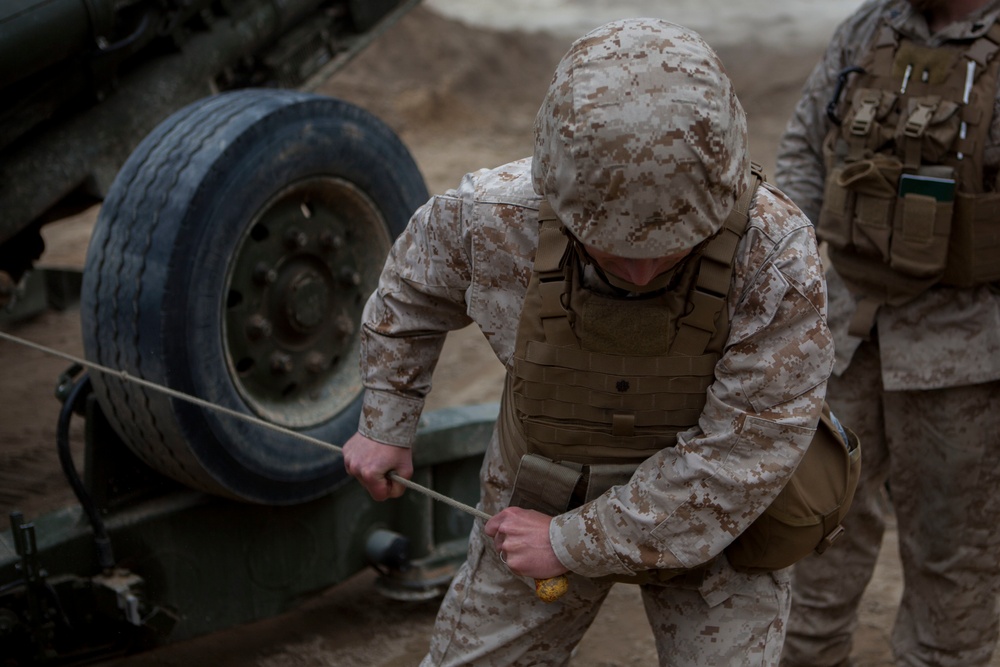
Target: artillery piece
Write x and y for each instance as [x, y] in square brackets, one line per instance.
[244, 222]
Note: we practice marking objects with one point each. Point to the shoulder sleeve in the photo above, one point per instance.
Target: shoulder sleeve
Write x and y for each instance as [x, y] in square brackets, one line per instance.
[419, 299]
[465, 257]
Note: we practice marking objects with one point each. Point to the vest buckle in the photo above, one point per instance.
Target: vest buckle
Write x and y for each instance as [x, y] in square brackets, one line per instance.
[918, 121]
[867, 108]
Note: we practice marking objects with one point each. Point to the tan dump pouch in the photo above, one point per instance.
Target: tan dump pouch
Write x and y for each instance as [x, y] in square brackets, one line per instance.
[974, 250]
[544, 486]
[806, 515]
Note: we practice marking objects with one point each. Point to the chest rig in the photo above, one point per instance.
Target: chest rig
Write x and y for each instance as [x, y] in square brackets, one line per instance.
[906, 204]
[603, 379]
[599, 383]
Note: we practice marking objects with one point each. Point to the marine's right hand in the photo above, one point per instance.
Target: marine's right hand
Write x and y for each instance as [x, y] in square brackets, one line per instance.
[370, 462]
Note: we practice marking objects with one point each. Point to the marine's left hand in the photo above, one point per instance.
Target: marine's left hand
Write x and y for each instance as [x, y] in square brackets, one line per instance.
[522, 538]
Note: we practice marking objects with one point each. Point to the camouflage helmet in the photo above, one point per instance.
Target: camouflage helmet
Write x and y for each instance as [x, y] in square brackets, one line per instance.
[640, 142]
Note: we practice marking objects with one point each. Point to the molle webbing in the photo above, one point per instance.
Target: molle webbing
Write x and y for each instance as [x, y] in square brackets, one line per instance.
[551, 261]
[715, 274]
[910, 100]
[924, 112]
[572, 395]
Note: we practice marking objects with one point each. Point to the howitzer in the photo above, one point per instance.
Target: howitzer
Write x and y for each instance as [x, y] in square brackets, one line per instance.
[243, 222]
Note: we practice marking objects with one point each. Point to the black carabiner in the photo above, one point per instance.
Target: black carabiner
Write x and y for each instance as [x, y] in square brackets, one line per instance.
[831, 108]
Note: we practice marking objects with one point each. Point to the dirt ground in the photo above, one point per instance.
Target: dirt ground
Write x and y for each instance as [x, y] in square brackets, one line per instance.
[460, 98]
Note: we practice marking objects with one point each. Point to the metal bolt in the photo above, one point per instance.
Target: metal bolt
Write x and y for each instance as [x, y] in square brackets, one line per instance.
[281, 363]
[295, 238]
[264, 274]
[350, 277]
[259, 327]
[330, 241]
[344, 326]
[315, 362]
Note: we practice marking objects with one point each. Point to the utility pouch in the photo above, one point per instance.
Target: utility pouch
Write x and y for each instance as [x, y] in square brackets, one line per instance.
[927, 130]
[974, 249]
[859, 205]
[806, 515]
[837, 214]
[865, 118]
[554, 487]
[922, 223]
[544, 485]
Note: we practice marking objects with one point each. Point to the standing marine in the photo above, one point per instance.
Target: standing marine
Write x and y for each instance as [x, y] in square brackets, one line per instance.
[661, 317]
[893, 152]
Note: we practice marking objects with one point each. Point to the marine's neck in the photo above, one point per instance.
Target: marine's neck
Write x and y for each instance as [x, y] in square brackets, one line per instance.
[946, 13]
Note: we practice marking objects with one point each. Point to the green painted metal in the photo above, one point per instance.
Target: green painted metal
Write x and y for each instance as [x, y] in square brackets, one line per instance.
[211, 563]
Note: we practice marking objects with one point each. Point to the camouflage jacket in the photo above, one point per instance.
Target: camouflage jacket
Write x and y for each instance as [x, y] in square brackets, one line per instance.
[467, 257]
[947, 336]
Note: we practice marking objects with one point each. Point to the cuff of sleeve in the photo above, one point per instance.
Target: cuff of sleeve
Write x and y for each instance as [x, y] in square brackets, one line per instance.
[581, 544]
[390, 418]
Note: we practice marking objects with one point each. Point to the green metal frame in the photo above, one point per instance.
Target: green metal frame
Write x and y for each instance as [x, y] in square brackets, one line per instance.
[188, 563]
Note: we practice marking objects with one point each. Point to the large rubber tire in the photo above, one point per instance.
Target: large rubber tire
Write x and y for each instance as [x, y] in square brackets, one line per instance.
[231, 261]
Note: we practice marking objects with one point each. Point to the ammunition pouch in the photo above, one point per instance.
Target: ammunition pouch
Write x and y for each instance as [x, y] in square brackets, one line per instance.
[806, 515]
[865, 214]
[907, 205]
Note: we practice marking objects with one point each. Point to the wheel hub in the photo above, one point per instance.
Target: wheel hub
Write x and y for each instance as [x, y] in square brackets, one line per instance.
[295, 288]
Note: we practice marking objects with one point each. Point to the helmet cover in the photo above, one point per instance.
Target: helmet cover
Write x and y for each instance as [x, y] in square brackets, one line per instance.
[641, 143]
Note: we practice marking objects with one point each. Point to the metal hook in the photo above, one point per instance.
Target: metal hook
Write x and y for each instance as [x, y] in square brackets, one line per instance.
[831, 107]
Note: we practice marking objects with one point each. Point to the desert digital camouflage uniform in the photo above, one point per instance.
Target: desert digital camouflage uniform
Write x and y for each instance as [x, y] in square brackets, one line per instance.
[467, 257]
[924, 398]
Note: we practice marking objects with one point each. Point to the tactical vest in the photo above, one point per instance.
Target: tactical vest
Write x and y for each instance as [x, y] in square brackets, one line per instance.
[905, 203]
[599, 383]
[602, 379]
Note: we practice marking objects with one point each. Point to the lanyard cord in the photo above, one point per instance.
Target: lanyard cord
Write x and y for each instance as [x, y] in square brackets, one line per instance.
[124, 375]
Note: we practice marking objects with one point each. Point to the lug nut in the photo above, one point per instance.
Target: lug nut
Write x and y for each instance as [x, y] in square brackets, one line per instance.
[259, 327]
[264, 274]
[350, 277]
[344, 326]
[330, 241]
[315, 363]
[281, 363]
[295, 238]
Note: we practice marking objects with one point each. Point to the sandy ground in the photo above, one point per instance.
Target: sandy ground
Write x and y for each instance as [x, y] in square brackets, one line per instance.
[461, 98]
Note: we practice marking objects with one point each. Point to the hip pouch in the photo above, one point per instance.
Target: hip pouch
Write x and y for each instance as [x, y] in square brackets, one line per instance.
[805, 516]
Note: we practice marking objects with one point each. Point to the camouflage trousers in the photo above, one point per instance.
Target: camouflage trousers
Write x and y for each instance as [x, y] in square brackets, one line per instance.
[491, 617]
[933, 457]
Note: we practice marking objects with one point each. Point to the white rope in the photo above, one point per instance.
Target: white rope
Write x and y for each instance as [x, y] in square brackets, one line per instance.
[124, 375]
